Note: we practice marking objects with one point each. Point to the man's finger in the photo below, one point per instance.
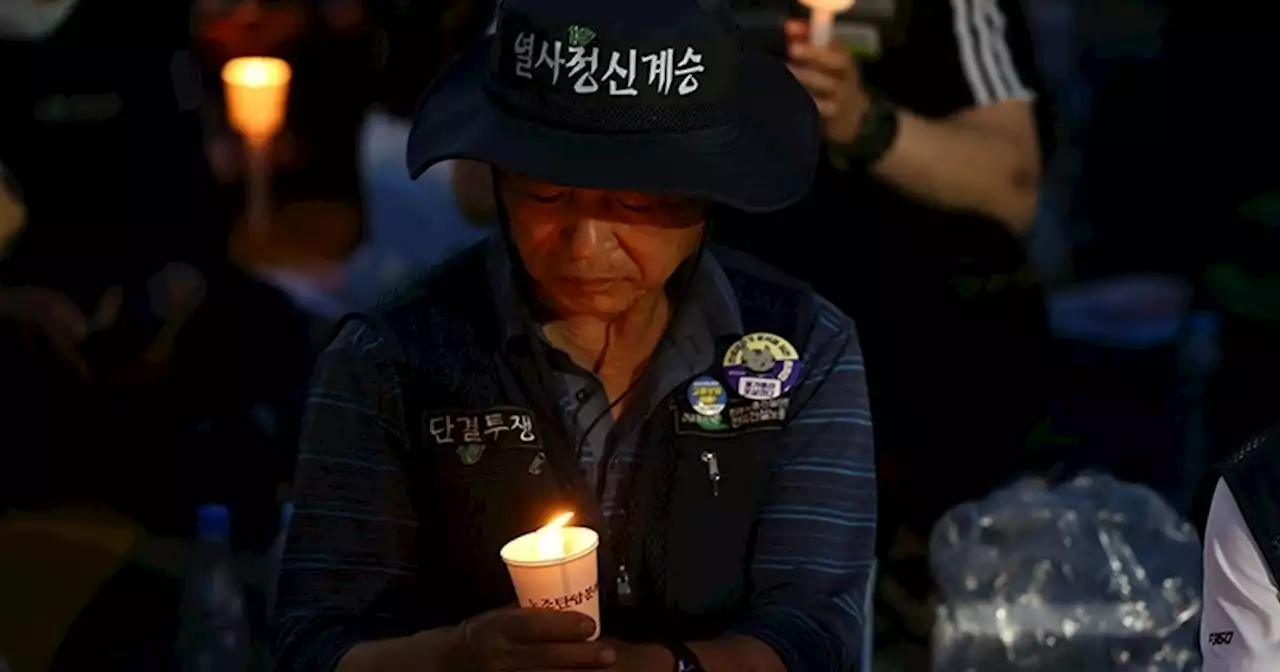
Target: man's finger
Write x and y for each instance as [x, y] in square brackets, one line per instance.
[535, 626]
[577, 656]
[818, 84]
[833, 60]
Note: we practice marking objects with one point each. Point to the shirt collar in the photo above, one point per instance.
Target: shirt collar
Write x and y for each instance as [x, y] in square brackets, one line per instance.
[709, 309]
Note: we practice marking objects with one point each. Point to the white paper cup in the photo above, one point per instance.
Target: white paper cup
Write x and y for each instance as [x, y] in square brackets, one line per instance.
[567, 583]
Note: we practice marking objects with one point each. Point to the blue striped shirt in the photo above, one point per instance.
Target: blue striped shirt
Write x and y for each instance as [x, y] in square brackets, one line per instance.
[815, 532]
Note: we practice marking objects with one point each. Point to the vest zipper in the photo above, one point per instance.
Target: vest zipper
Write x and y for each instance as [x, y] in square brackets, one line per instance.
[624, 584]
[713, 472]
[619, 534]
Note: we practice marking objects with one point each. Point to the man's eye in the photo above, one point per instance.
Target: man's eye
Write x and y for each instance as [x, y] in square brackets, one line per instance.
[637, 205]
[547, 196]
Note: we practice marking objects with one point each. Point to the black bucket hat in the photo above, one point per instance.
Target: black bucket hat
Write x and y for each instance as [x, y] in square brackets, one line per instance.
[656, 96]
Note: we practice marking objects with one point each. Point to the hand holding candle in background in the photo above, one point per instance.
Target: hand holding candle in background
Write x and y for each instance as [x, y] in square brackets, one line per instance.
[257, 91]
[832, 79]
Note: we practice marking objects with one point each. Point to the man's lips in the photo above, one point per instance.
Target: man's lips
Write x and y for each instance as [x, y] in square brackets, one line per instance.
[590, 284]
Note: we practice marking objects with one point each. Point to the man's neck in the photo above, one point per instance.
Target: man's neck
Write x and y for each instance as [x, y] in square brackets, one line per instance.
[614, 348]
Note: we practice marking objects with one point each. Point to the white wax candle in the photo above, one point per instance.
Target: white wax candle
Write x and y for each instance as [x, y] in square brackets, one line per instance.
[822, 19]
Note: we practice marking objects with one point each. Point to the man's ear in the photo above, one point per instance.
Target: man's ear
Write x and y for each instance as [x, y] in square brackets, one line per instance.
[475, 188]
[13, 213]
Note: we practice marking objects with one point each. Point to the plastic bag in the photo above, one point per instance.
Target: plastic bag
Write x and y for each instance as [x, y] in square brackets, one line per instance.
[1093, 575]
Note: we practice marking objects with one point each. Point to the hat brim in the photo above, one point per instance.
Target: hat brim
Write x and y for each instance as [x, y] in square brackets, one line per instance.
[762, 159]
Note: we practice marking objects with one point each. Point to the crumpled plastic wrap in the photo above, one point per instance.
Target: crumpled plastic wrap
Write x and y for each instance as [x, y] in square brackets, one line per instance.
[1093, 575]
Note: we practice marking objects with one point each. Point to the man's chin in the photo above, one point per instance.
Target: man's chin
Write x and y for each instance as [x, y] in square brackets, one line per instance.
[604, 307]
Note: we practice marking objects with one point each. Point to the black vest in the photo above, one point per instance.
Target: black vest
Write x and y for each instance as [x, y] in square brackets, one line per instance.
[1253, 474]
[685, 545]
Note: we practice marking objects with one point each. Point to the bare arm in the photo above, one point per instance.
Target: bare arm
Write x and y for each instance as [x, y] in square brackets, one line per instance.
[969, 144]
[984, 160]
[966, 134]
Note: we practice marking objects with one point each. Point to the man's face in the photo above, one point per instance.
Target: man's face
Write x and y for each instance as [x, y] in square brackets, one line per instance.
[593, 252]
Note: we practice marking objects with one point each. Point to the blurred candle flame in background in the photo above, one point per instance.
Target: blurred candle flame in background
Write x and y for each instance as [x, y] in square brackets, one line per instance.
[257, 92]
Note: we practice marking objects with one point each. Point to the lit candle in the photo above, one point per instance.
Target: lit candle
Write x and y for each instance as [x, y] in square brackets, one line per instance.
[822, 19]
[257, 90]
[554, 567]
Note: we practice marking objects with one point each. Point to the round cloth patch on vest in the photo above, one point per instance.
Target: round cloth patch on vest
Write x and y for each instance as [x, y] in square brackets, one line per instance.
[762, 366]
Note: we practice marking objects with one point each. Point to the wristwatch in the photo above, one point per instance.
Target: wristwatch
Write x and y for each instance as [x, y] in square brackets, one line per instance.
[877, 133]
[686, 660]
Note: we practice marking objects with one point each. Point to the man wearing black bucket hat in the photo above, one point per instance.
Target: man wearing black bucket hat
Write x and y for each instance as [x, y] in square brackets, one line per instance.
[706, 415]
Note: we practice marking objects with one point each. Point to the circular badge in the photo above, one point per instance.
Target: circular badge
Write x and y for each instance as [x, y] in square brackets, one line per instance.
[707, 396]
[762, 366]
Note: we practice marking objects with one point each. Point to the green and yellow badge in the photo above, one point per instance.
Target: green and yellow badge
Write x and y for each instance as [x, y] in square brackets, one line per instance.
[580, 36]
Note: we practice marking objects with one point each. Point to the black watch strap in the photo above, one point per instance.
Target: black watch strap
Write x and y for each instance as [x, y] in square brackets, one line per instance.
[877, 133]
[686, 660]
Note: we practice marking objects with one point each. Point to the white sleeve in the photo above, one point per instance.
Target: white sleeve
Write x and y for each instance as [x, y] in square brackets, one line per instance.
[1240, 629]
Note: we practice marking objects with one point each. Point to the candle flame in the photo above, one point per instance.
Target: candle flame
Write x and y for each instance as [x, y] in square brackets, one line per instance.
[257, 72]
[558, 522]
[257, 93]
[550, 540]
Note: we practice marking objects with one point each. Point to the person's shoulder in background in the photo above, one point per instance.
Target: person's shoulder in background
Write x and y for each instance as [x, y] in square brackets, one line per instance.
[415, 225]
[1240, 606]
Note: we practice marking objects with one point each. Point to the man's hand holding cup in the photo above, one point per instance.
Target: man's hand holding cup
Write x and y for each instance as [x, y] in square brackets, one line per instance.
[529, 639]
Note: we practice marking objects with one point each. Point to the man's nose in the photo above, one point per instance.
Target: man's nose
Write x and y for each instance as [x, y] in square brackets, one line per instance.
[590, 237]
